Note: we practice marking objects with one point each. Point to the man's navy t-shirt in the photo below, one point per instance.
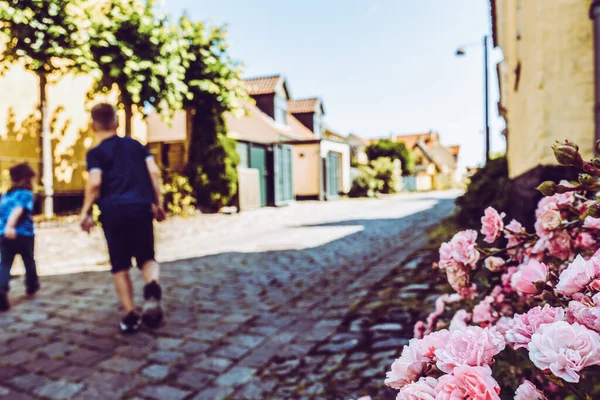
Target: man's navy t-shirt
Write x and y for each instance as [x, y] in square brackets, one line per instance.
[125, 177]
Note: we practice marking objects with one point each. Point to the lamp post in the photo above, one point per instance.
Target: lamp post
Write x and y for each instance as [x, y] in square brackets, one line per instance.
[461, 52]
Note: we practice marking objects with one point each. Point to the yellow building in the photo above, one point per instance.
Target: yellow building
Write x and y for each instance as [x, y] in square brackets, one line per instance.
[68, 109]
[546, 84]
[546, 77]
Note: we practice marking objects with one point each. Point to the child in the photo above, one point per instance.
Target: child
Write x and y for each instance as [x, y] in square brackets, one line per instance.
[16, 231]
[125, 182]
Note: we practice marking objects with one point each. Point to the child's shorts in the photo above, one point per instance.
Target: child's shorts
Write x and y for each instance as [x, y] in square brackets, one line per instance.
[129, 233]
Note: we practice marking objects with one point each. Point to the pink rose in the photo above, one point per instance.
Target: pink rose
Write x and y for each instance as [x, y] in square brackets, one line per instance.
[408, 368]
[576, 277]
[494, 264]
[432, 342]
[507, 276]
[554, 203]
[458, 278]
[446, 260]
[419, 330]
[528, 391]
[586, 315]
[559, 245]
[591, 223]
[459, 321]
[483, 312]
[584, 241]
[423, 389]
[492, 224]
[525, 325]
[464, 248]
[547, 222]
[525, 279]
[504, 324]
[564, 349]
[515, 228]
[595, 285]
[468, 383]
[473, 346]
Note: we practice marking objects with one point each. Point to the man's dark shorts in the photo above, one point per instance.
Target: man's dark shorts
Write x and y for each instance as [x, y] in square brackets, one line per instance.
[129, 233]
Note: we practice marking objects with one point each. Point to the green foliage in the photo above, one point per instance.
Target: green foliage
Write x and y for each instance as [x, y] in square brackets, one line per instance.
[215, 87]
[385, 173]
[394, 151]
[488, 187]
[139, 52]
[213, 78]
[46, 35]
[365, 184]
[213, 163]
[178, 194]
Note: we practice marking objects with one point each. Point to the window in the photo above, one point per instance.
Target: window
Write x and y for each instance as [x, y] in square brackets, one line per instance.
[281, 108]
[317, 128]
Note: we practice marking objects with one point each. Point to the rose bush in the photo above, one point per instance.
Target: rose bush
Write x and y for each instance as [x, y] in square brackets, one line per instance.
[524, 322]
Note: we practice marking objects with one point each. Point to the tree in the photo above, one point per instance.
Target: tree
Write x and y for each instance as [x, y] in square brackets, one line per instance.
[138, 52]
[49, 38]
[214, 87]
[394, 151]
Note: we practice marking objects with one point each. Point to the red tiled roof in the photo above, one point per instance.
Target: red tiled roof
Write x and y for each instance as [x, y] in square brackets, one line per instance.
[259, 127]
[302, 105]
[262, 85]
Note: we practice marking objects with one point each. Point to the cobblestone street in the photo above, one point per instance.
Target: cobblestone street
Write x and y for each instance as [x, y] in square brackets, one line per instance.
[313, 301]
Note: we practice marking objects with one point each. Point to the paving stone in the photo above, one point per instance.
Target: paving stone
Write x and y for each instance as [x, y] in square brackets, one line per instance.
[168, 343]
[196, 380]
[217, 393]
[59, 390]
[56, 350]
[85, 357]
[165, 357]
[232, 352]
[156, 371]
[18, 358]
[246, 341]
[394, 343]
[164, 393]
[122, 365]
[74, 373]
[236, 376]
[213, 364]
[28, 382]
[194, 347]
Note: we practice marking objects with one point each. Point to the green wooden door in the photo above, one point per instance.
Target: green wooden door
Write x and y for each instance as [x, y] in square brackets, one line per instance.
[258, 160]
[282, 169]
[332, 176]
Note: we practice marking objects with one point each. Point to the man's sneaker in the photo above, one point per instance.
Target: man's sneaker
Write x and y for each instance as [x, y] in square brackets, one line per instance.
[152, 313]
[4, 304]
[33, 289]
[130, 323]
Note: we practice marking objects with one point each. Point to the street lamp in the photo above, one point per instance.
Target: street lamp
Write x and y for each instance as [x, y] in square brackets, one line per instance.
[461, 51]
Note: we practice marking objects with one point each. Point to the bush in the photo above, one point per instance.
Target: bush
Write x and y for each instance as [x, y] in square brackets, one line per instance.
[213, 161]
[385, 173]
[488, 187]
[365, 184]
[178, 194]
[394, 151]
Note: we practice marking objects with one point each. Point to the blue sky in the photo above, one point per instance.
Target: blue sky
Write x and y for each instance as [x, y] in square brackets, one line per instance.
[381, 66]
